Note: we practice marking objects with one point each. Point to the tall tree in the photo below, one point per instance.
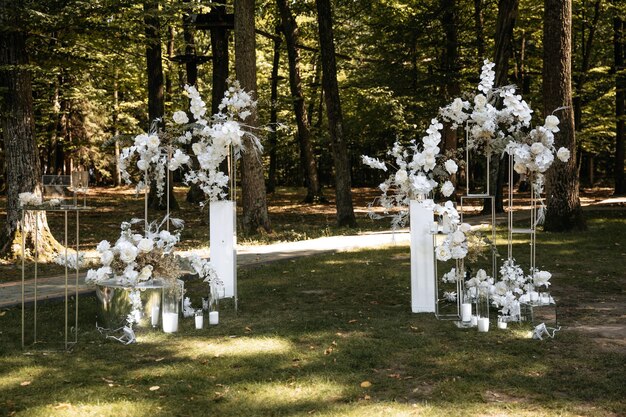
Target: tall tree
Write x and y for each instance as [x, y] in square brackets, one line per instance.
[156, 87]
[564, 209]
[450, 63]
[272, 136]
[343, 181]
[505, 23]
[619, 52]
[18, 134]
[290, 29]
[254, 196]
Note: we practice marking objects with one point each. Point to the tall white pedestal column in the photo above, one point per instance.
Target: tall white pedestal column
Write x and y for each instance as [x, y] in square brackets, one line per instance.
[422, 260]
[223, 240]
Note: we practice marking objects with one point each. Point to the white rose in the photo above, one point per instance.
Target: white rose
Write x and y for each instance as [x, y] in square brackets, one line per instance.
[91, 277]
[130, 273]
[465, 227]
[451, 166]
[459, 252]
[145, 245]
[180, 117]
[140, 140]
[537, 148]
[106, 258]
[443, 253]
[142, 165]
[104, 245]
[447, 189]
[128, 252]
[401, 176]
[458, 237]
[552, 123]
[480, 100]
[520, 168]
[145, 273]
[563, 154]
[153, 142]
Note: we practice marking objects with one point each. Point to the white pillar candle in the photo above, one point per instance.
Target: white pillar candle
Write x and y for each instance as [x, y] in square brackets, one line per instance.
[466, 312]
[474, 320]
[214, 317]
[199, 322]
[483, 324]
[502, 324]
[155, 316]
[545, 299]
[170, 322]
[534, 296]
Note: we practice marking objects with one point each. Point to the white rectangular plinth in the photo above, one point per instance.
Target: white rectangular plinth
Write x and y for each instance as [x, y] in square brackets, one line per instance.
[223, 252]
[422, 260]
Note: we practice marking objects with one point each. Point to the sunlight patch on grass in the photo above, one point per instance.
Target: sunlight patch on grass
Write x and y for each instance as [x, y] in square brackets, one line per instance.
[27, 376]
[122, 408]
[236, 347]
[280, 394]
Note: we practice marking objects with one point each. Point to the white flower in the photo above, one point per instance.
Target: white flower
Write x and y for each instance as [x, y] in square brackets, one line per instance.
[537, 148]
[552, 123]
[145, 245]
[401, 176]
[153, 142]
[563, 154]
[458, 237]
[127, 251]
[145, 273]
[465, 227]
[451, 166]
[180, 117]
[29, 199]
[449, 296]
[450, 276]
[141, 140]
[442, 252]
[106, 258]
[542, 278]
[143, 165]
[421, 184]
[447, 189]
[520, 168]
[459, 252]
[373, 163]
[104, 245]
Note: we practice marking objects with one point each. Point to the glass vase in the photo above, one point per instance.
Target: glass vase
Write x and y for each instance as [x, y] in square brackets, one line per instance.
[171, 308]
[482, 309]
[215, 293]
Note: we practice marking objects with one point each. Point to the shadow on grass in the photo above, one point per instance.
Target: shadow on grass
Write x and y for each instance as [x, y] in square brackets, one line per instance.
[308, 334]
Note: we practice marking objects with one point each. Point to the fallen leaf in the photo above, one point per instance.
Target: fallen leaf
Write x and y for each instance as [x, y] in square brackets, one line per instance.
[159, 359]
[154, 388]
[367, 397]
[2, 313]
[366, 384]
[395, 376]
[248, 329]
[25, 383]
[63, 406]
[352, 321]
[110, 381]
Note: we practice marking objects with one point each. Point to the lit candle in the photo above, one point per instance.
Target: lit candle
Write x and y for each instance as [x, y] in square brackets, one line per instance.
[155, 316]
[170, 322]
[199, 321]
[466, 312]
[214, 317]
[483, 324]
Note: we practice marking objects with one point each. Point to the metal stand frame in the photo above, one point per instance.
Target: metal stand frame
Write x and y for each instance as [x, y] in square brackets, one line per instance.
[77, 209]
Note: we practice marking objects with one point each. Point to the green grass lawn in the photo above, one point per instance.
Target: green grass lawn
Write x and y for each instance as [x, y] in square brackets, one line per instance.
[333, 335]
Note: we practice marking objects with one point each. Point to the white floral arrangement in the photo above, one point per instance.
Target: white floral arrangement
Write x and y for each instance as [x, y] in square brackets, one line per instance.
[159, 151]
[137, 258]
[218, 136]
[418, 171]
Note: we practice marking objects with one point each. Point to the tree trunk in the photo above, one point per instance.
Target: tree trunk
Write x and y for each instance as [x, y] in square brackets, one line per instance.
[272, 136]
[479, 28]
[450, 65]
[170, 70]
[195, 193]
[343, 189]
[156, 98]
[290, 28]
[619, 50]
[580, 80]
[254, 197]
[219, 49]
[117, 175]
[18, 131]
[505, 23]
[564, 210]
